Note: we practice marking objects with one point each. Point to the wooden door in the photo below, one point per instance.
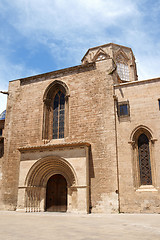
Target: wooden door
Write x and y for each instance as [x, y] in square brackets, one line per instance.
[56, 194]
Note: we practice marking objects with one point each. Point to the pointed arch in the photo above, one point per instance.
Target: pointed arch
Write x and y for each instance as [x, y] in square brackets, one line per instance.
[121, 56]
[55, 85]
[139, 130]
[122, 62]
[100, 55]
[142, 142]
[55, 117]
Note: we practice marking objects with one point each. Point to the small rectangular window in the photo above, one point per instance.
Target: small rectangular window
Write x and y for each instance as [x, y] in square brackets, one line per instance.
[123, 109]
[0, 132]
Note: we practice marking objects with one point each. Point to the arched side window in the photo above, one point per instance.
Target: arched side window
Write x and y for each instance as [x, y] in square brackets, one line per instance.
[55, 119]
[58, 115]
[144, 160]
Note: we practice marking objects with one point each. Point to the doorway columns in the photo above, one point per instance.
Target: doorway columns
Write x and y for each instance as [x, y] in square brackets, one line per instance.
[39, 163]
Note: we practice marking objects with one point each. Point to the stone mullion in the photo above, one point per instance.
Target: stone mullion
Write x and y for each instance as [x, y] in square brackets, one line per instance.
[58, 115]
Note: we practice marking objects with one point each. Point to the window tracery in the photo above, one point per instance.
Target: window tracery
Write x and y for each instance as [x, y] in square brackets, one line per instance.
[58, 115]
[144, 160]
[142, 144]
[123, 71]
[55, 120]
[122, 66]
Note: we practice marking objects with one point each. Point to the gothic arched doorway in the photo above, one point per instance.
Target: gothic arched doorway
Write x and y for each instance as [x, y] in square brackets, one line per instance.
[56, 194]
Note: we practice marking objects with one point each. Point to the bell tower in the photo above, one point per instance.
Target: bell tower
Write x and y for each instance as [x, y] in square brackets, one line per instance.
[122, 57]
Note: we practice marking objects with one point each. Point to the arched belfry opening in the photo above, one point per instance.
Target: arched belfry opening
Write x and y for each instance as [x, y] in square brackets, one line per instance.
[56, 194]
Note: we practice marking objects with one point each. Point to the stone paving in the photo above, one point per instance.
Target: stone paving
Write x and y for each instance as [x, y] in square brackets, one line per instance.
[44, 226]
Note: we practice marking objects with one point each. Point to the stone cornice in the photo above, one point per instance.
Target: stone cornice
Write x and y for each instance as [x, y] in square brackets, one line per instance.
[54, 146]
[58, 73]
[152, 80]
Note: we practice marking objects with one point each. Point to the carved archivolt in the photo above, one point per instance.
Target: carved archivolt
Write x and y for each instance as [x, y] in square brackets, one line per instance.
[38, 176]
[43, 169]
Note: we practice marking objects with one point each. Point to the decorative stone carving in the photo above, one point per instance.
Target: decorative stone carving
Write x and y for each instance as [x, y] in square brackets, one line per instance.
[121, 57]
[100, 55]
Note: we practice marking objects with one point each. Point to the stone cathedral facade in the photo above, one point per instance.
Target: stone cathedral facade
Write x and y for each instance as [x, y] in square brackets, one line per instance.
[83, 139]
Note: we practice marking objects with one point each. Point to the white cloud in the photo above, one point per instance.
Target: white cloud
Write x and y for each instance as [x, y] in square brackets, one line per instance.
[69, 28]
[60, 16]
[10, 71]
[73, 22]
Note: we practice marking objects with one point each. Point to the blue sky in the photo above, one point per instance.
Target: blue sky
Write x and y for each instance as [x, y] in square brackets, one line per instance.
[38, 36]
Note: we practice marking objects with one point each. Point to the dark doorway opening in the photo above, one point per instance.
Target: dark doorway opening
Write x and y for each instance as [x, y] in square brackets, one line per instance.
[56, 194]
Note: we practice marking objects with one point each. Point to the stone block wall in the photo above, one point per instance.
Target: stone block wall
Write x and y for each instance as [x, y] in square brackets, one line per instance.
[144, 114]
[91, 119]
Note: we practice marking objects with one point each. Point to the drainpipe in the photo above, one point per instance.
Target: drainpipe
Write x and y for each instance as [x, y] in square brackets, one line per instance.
[116, 139]
[116, 143]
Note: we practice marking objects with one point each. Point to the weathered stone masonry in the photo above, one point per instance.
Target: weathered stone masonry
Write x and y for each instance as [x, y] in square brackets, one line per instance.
[106, 111]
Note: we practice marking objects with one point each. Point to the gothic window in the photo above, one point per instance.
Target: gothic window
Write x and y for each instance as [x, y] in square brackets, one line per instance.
[123, 71]
[144, 160]
[143, 144]
[58, 115]
[121, 60]
[55, 119]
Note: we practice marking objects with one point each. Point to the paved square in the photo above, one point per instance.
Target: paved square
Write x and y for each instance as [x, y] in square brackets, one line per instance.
[40, 226]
